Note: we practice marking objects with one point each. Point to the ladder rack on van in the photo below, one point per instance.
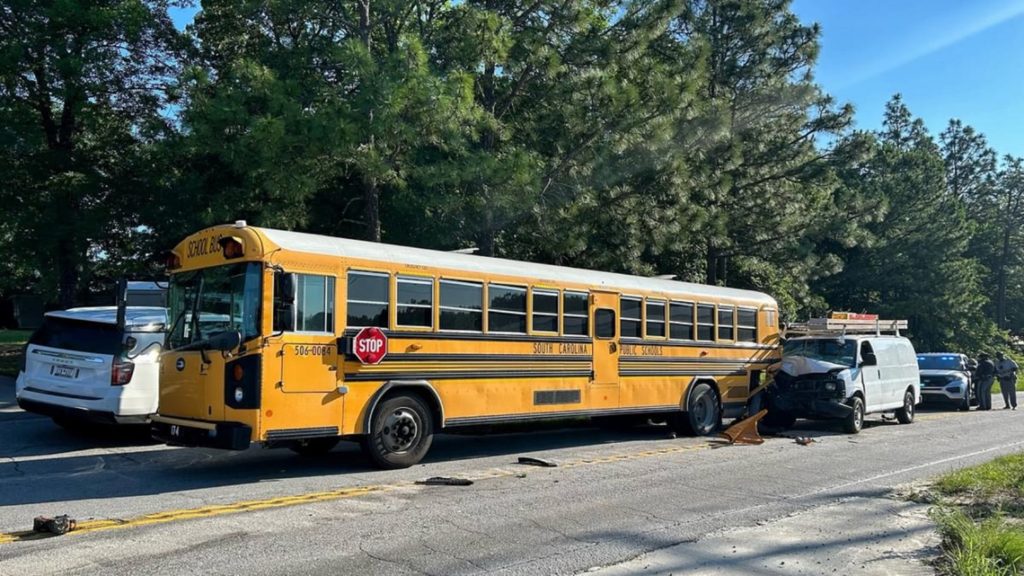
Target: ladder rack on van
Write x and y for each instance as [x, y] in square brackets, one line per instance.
[842, 327]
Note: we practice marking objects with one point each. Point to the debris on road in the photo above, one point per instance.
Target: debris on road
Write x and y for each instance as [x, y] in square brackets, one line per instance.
[58, 525]
[804, 440]
[745, 431]
[445, 481]
[531, 461]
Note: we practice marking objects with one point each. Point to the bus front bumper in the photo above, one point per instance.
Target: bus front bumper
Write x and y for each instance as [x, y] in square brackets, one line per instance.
[195, 433]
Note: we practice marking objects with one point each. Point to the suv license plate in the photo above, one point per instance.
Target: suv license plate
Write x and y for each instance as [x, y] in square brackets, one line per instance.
[64, 371]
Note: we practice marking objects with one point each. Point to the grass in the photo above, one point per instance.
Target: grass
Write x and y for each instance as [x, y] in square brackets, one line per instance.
[997, 390]
[981, 518]
[11, 343]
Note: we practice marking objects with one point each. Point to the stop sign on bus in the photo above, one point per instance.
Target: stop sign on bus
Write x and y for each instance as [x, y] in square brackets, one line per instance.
[370, 345]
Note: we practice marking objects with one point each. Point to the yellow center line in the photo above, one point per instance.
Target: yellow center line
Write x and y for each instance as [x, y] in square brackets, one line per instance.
[164, 517]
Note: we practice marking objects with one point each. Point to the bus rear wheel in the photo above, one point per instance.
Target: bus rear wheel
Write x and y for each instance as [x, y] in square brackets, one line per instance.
[400, 434]
[703, 413]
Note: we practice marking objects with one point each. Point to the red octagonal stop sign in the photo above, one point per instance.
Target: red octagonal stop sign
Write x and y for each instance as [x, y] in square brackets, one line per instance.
[370, 345]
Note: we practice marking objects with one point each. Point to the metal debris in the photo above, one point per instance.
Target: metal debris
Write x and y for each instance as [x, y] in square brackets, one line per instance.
[804, 440]
[531, 461]
[58, 525]
[445, 481]
[745, 431]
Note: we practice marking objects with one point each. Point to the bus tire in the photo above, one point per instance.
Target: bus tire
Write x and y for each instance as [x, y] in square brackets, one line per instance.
[703, 413]
[314, 446]
[401, 432]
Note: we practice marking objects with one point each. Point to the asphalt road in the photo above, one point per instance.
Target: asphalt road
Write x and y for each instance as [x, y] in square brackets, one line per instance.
[618, 502]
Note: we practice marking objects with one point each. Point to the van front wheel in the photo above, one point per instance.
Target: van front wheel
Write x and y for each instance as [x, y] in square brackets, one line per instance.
[905, 415]
[400, 434]
[855, 421]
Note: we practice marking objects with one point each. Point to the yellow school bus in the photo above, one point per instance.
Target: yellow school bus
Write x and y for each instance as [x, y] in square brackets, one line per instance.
[299, 340]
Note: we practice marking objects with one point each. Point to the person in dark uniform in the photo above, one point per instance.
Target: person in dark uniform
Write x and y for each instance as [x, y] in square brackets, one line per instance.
[986, 377]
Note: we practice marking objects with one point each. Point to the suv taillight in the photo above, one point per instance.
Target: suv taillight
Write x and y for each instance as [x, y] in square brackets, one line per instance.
[121, 372]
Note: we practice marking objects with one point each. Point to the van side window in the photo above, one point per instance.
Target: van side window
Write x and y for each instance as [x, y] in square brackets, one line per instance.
[866, 350]
[367, 299]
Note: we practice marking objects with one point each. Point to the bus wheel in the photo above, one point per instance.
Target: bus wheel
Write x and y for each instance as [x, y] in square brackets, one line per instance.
[400, 434]
[703, 412]
[314, 446]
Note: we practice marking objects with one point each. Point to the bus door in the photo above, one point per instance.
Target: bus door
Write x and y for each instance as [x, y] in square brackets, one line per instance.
[305, 351]
[604, 382]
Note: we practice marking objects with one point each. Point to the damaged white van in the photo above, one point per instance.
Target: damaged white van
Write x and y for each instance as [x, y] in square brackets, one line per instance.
[844, 376]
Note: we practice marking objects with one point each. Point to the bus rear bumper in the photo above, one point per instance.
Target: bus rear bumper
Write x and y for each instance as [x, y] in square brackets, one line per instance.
[195, 433]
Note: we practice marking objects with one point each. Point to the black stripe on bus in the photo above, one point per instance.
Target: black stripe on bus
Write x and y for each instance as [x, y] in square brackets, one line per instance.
[450, 375]
[478, 336]
[709, 372]
[697, 344]
[412, 356]
[475, 420]
[686, 359]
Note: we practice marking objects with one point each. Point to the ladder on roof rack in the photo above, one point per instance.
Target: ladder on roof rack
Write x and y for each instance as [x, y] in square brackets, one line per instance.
[841, 327]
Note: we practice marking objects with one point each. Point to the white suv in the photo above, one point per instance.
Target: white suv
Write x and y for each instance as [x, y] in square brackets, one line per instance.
[81, 366]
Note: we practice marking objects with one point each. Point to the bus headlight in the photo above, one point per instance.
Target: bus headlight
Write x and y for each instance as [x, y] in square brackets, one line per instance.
[239, 394]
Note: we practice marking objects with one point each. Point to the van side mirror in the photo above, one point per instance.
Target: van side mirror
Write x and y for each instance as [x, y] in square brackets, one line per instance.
[868, 359]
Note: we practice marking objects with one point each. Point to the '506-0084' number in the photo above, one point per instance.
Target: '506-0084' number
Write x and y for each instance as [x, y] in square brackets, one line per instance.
[314, 350]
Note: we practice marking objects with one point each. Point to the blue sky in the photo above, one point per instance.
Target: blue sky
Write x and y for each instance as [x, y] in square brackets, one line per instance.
[949, 58]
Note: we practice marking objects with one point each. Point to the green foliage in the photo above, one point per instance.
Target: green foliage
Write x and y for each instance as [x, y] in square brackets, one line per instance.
[992, 547]
[1002, 476]
[645, 136]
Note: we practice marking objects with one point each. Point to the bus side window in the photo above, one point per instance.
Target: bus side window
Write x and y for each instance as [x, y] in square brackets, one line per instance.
[284, 302]
[604, 323]
[367, 299]
[575, 314]
[315, 306]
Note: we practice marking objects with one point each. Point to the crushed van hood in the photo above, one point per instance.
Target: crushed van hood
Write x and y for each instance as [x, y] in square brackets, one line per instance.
[800, 365]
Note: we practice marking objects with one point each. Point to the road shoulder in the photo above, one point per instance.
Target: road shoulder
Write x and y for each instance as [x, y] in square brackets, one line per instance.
[860, 535]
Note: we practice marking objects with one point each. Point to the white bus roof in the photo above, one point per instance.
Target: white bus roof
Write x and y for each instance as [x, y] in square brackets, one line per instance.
[361, 249]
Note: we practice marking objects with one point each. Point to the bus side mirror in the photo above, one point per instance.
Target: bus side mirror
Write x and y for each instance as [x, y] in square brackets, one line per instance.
[869, 359]
[284, 301]
[226, 341]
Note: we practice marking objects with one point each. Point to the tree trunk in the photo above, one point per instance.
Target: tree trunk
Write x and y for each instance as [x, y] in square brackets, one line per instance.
[711, 265]
[1001, 277]
[371, 209]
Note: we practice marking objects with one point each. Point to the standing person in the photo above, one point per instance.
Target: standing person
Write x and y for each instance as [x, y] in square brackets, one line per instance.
[1006, 371]
[986, 377]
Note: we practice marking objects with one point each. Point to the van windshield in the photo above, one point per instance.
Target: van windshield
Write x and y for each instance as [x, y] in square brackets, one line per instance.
[842, 352]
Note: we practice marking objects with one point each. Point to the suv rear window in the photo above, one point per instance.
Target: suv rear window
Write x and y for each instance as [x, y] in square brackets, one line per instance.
[76, 336]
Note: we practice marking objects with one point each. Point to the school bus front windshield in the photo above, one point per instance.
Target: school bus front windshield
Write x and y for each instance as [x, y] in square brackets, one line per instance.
[207, 302]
